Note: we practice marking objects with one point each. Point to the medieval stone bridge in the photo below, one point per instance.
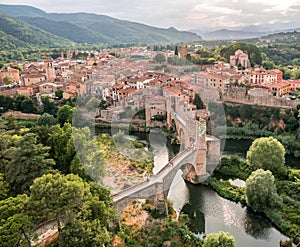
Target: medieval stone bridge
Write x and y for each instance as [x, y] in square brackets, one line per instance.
[199, 155]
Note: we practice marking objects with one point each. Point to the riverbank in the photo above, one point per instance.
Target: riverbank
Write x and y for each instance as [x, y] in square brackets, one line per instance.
[286, 219]
[142, 225]
[127, 164]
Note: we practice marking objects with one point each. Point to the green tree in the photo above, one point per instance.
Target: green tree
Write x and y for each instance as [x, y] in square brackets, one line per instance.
[59, 93]
[65, 114]
[58, 196]
[6, 103]
[261, 190]
[82, 211]
[15, 224]
[78, 233]
[4, 187]
[27, 106]
[90, 228]
[92, 104]
[49, 105]
[62, 147]
[46, 120]
[6, 80]
[27, 160]
[268, 64]
[220, 239]
[18, 102]
[160, 58]
[266, 153]
[7, 128]
[246, 111]
[89, 155]
[176, 50]
[102, 105]
[198, 102]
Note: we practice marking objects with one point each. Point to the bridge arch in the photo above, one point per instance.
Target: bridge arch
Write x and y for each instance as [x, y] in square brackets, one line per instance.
[187, 170]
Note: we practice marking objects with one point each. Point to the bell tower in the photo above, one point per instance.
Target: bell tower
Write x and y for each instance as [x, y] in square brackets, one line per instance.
[50, 71]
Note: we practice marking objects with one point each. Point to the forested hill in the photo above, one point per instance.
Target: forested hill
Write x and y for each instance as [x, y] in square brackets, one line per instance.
[17, 34]
[75, 33]
[93, 28]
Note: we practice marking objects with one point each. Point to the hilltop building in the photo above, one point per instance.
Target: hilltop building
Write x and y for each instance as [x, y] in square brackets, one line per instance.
[240, 58]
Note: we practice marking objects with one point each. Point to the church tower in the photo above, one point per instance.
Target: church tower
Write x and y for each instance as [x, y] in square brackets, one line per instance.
[50, 71]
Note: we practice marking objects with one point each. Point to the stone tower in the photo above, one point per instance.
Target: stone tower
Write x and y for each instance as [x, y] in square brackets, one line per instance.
[50, 71]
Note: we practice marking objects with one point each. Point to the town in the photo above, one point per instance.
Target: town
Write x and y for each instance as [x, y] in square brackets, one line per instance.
[117, 76]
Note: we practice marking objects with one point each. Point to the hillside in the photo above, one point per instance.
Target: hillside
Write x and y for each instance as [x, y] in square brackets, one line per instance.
[282, 37]
[93, 28]
[19, 10]
[15, 33]
[224, 34]
[67, 30]
[125, 31]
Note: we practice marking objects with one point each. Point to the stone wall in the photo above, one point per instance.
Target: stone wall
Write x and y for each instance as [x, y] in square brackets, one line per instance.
[256, 96]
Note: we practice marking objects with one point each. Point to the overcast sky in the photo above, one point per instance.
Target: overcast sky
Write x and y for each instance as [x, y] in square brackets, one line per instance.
[182, 14]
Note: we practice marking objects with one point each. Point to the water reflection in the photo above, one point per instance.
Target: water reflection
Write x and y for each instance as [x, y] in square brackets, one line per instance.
[256, 226]
[197, 218]
[209, 213]
[158, 146]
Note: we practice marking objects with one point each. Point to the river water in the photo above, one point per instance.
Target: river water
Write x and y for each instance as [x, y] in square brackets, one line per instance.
[208, 212]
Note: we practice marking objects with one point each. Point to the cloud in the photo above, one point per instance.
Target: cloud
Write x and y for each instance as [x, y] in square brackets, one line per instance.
[182, 14]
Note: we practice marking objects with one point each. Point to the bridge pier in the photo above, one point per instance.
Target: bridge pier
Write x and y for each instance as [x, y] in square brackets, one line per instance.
[161, 200]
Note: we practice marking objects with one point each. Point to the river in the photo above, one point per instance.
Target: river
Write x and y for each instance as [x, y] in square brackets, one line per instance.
[208, 212]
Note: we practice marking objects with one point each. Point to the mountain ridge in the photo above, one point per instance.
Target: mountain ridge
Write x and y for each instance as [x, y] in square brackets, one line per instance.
[95, 27]
[17, 34]
[226, 34]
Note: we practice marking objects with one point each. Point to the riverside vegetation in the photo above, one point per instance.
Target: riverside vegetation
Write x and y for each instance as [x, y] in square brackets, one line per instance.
[275, 194]
[251, 122]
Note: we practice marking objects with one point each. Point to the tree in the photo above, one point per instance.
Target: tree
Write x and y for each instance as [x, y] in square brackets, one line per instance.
[18, 102]
[102, 105]
[6, 103]
[198, 102]
[62, 147]
[266, 153]
[93, 223]
[261, 190]
[82, 211]
[176, 51]
[92, 104]
[159, 58]
[77, 233]
[49, 105]
[27, 106]
[65, 114]
[246, 111]
[59, 93]
[4, 187]
[88, 153]
[27, 160]
[8, 127]
[46, 120]
[6, 80]
[220, 239]
[15, 224]
[58, 196]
